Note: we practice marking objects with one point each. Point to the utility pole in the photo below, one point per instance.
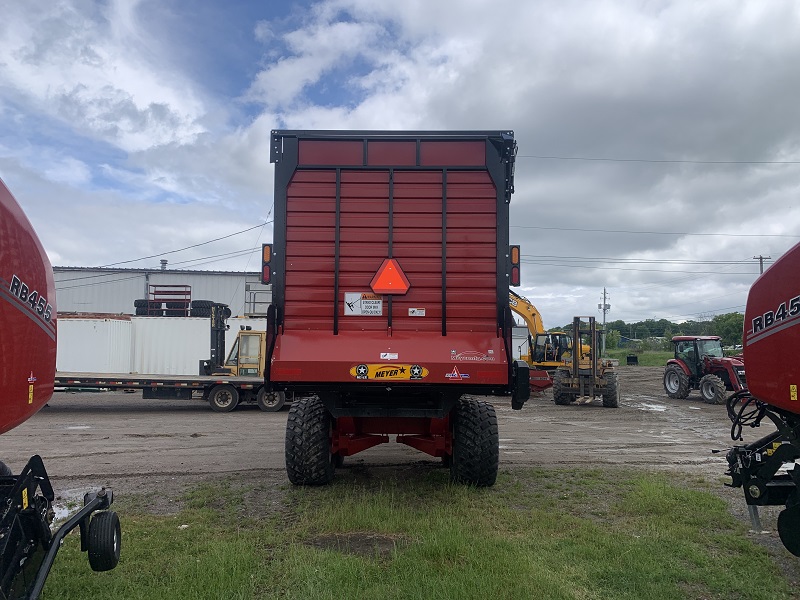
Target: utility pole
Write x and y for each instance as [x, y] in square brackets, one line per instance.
[760, 260]
[605, 307]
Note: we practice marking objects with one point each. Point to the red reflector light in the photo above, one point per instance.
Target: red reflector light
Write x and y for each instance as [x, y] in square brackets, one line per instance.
[514, 276]
[265, 274]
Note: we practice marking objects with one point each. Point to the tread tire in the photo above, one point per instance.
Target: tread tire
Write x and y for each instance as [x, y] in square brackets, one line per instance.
[141, 303]
[611, 393]
[202, 304]
[105, 541]
[676, 382]
[308, 443]
[712, 389]
[476, 443]
[559, 396]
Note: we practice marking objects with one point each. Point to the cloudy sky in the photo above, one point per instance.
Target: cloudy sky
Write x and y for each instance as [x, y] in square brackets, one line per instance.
[659, 141]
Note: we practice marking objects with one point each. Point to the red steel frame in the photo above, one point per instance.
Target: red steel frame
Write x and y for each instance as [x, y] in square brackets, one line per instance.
[350, 435]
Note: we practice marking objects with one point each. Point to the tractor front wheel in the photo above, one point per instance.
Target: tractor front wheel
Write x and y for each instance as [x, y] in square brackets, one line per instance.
[309, 460]
[712, 388]
[676, 382]
[476, 443]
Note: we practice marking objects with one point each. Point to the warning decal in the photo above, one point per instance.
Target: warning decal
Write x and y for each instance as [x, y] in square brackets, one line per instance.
[363, 303]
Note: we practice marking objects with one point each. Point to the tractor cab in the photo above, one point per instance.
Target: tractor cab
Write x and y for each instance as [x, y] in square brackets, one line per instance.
[692, 351]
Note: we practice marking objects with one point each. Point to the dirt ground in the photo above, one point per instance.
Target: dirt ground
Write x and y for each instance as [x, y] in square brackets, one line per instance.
[136, 446]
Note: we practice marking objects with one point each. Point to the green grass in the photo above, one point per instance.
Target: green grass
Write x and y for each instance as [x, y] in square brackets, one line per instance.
[648, 358]
[539, 533]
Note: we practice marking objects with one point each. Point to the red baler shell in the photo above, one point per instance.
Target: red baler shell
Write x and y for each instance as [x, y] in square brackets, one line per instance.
[27, 335]
[773, 375]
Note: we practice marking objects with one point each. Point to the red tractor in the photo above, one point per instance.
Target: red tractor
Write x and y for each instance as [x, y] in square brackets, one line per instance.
[700, 364]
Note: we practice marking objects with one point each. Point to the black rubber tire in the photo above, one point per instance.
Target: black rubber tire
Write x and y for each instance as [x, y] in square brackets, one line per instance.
[141, 312]
[676, 382]
[202, 303]
[309, 460]
[177, 305]
[200, 312]
[4, 470]
[712, 389]
[141, 303]
[338, 461]
[559, 396]
[611, 393]
[270, 401]
[175, 312]
[789, 528]
[105, 541]
[223, 397]
[476, 443]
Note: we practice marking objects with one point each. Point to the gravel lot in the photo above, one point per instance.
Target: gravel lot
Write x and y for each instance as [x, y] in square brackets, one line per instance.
[111, 437]
[159, 447]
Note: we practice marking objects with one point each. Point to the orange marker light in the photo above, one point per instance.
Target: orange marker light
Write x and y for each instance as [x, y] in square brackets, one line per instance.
[514, 271]
[266, 257]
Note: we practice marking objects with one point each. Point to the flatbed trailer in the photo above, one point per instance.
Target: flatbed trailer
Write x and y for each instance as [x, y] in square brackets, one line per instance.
[222, 392]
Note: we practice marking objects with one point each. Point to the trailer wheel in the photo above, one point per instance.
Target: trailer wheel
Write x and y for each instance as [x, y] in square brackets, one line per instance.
[676, 383]
[712, 388]
[223, 397]
[270, 401]
[611, 393]
[476, 443]
[309, 460]
[560, 397]
[105, 540]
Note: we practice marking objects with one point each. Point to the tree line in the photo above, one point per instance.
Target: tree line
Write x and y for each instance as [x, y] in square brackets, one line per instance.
[655, 333]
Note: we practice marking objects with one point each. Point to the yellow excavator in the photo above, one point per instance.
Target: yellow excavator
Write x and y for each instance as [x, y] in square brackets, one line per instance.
[546, 350]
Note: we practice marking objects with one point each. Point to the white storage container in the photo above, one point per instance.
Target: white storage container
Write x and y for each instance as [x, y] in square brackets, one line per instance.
[94, 344]
[169, 345]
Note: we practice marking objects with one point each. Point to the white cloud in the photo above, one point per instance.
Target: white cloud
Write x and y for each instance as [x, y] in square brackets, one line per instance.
[615, 79]
[97, 71]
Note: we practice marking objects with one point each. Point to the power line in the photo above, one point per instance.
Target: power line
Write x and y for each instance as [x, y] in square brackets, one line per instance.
[124, 262]
[778, 235]
[574, 266]
[661, 160]
[607, 259]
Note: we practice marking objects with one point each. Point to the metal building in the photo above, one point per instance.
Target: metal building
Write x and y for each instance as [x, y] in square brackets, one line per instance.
[113, 290]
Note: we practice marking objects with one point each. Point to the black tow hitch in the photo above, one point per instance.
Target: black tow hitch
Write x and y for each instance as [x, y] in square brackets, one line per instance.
[27, 545]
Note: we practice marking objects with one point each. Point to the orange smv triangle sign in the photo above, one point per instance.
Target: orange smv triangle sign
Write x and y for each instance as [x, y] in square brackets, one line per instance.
[390, 279]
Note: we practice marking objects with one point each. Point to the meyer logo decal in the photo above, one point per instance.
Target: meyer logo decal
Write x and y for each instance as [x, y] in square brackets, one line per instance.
[388, 372]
